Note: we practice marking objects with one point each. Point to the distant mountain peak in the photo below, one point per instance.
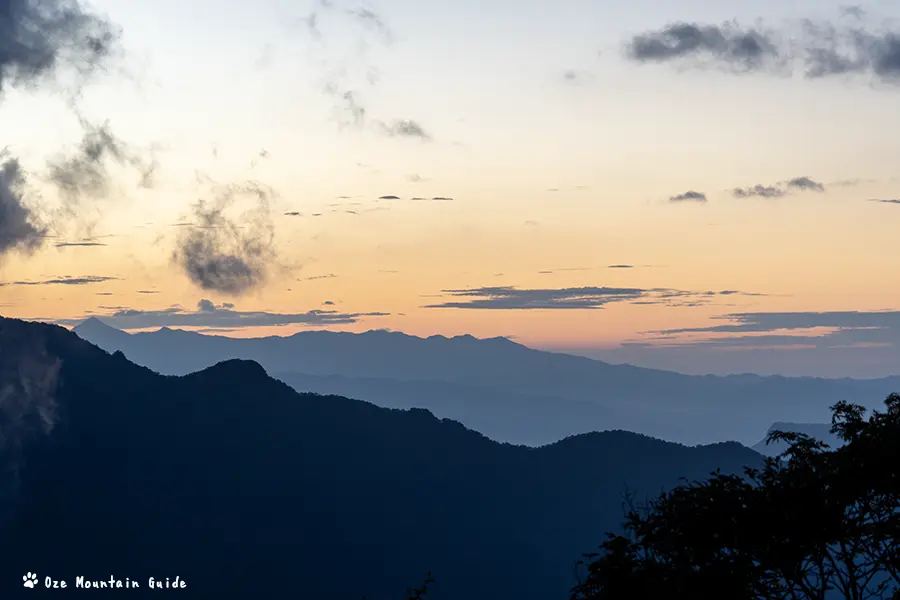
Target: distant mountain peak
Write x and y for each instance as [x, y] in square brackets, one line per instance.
[94, 324]
[97, 331]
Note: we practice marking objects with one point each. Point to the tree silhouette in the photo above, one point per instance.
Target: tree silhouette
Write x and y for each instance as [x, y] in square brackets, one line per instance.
[812, 523]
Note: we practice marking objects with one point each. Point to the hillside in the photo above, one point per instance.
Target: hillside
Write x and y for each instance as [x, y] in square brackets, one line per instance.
[536, 395]
[245, 488]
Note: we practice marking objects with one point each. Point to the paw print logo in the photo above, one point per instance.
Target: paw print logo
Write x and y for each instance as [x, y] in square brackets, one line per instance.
[30, 579]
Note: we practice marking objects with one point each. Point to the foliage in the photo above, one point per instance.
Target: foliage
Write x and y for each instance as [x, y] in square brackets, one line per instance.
[812, 523]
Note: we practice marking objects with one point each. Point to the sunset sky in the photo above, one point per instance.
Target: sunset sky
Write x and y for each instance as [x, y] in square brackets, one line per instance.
[679, 184]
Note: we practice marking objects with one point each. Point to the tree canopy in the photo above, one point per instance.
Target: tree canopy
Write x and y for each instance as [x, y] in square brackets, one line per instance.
[813, 523]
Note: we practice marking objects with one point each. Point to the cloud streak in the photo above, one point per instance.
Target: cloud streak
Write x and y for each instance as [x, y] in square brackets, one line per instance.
[512, 298]
[831, 329]
[83, 280]
[209, 314]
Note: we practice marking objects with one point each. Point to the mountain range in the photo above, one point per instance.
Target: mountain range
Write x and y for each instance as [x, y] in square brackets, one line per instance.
[243, 487]
[503, 389]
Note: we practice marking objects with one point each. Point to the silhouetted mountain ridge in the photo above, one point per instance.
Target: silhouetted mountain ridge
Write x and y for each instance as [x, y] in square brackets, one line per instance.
[245, 488]
[507, 390]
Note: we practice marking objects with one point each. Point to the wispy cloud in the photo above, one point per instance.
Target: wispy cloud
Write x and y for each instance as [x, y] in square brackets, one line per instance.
[209, 314]
[404, 128]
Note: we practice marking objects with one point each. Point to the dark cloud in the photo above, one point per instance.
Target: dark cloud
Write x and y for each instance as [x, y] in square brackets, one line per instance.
[759, 191]
[620, 267]
[689, 196]
[328, 303]
[84, 280]
[208, 314]
[56, 45]
[511, 298]
[817, 49]
[780, 189]
[433, 199]
[726, 45]
[224, 254]
[805, 184]
[293, 213]
[20, 227]
[403, 128]
[147, 292]
[78, 244]
[886, 200]
[40, 41]
[388, 197]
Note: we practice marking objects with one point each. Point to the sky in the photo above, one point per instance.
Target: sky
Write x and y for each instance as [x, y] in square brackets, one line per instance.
[709, 189]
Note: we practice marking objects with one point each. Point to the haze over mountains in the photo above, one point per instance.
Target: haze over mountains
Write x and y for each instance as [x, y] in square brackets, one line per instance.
[245, 488]
[505, 390]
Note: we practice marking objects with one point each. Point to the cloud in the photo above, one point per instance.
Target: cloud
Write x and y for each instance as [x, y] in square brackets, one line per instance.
[403, 128]
[41, 40]
[147, 292]
[759, 191]
[726, 45]
[780, 189]
[56, 45]
[65, 280]
[433, 199]
[78, 244]
[817, 49]
[293, 213]
[834, 329]
[85, 172]
[317, 277]
[372, 21]
[229, 255]
[886, 200]
[209, 314]
[689, 196]
[620, 267]
[805, 184]
[388, 197]
[511, 298]
[20, 228]
[415, 178]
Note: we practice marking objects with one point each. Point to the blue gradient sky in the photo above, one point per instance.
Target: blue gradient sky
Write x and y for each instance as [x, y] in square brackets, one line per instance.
[553, 177]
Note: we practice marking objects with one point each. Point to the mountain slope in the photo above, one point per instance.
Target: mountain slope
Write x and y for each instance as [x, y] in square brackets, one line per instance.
[245, 488]
[683, 408]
